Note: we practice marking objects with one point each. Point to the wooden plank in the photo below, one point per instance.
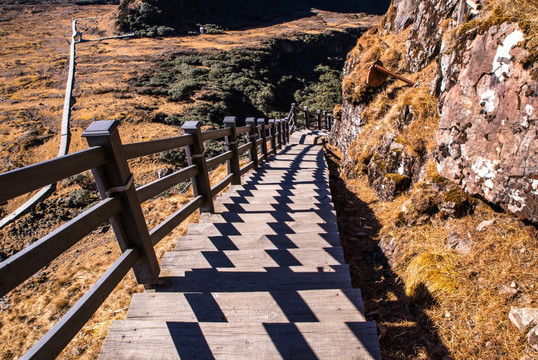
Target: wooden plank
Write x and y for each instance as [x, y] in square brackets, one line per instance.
[269, 228]
[255, 241]
[19, 267]
[253, 258]
[256, 178]
[254, 279]
[243, 129]
[139, 149]
[327, 216]
[161, 230]
[20, 181]
[261, 185]
[215, 134]
[156, 187]
[266, 207]
[179, 340]
[218, 160]
[222, 184]
[285, 194]
[246, 168]
[244, 148]
[267, 307]
[50, 345]
[271, 200]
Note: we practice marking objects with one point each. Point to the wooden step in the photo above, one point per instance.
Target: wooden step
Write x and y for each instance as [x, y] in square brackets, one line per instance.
[132, 339]
[253, 241]
[264, 228]
[253, 258]
[285, 193]
[275, 199]
[302, 216]
[283, 185]
[263, 307]
[225, 205]
[175, 279]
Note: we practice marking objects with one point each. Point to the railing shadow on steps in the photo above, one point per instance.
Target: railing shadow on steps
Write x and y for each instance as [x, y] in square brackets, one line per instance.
[120, 202]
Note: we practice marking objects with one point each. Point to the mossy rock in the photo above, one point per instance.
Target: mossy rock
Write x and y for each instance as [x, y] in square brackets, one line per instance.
[391, 185]
[456, 203]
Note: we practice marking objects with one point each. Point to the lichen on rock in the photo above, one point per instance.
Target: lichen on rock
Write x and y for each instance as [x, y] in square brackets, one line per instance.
[474, 109]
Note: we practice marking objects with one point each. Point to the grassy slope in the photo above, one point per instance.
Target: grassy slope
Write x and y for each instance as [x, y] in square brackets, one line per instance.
[432, 300]
[32, 98]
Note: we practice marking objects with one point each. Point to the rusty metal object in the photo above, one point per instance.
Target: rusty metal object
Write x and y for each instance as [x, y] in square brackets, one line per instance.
[378, 74]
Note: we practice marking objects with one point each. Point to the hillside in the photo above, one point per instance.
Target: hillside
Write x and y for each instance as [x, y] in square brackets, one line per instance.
[440, 179]
[164, 17]
[435, 185]
[120, 79]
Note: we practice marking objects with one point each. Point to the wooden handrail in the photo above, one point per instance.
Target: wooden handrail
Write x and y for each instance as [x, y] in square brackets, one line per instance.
[170, 224]
[57, 338]
[107, 158]
[215, 134]
[19, 267]
[139, 149]
[158, 186]
[21, 181]
[219, 159]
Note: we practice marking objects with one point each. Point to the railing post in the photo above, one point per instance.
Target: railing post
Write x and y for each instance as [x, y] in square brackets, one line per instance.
[283, 131]
[272, 131]
[263, 133]
[253, 137]
[286, 131]
[196, 156]
[318, 114]
[294, 113]
[115, 179]
[231, 145]
[279, 134]
[306, 117]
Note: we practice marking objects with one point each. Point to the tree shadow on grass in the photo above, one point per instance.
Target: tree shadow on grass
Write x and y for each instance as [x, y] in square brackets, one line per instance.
[408, 331]
[184, 15]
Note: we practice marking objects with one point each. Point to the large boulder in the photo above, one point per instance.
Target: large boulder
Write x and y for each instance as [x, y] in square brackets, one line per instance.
[487, 138]
[424, 41]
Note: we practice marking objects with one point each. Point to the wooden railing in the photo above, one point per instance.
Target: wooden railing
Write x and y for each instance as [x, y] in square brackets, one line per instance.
[304, 118]
[121, 203]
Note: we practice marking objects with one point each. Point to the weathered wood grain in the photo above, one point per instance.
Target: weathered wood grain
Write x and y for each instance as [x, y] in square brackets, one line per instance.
[189, 340]
[264, 307]
[253, 258]
[270, 242]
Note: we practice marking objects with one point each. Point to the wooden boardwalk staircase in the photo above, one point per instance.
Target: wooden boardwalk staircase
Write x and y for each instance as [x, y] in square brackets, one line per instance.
[263, 277]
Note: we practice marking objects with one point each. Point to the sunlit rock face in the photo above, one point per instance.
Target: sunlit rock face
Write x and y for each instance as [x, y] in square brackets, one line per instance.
[487, 140]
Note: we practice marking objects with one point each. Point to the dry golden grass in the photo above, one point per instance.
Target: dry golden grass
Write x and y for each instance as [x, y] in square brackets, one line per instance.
[33, 90]
[41, 301]
[431, 273]
[441, 301]
[456, 293]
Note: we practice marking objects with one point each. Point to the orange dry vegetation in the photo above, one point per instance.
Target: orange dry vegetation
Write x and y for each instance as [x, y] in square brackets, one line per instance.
[433, 300]
[33, 71]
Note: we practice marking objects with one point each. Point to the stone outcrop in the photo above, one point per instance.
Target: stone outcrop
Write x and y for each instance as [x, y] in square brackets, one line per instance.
[487, 138]
[525, 319]
[487, 96]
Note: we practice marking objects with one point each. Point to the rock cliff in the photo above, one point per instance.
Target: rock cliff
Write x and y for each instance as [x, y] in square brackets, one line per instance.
[472, 116]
